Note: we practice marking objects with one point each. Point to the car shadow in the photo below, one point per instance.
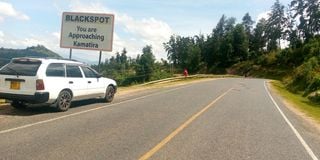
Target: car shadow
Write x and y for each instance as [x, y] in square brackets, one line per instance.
[31, 110]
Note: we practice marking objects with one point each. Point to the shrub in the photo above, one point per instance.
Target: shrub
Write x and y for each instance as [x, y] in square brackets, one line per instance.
[312, 48]
[269, 59]
[314, 96]
[242, 68]
[305, 78]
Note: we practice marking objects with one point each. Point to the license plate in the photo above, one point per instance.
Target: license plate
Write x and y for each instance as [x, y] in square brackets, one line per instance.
[15, 85]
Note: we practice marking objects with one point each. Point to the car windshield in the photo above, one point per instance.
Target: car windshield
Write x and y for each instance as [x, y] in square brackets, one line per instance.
[21, 68]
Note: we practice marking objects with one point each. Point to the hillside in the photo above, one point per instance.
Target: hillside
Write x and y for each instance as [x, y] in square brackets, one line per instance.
[36, 51]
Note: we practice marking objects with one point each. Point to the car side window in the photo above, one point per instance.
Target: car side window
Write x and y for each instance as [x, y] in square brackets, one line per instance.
[88, 72]
[73, 71]
[55, 70]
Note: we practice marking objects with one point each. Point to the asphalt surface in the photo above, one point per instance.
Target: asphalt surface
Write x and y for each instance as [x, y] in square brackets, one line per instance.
[219, 119]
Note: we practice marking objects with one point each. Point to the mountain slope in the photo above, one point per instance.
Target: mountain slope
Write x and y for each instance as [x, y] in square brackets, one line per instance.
[36, 51]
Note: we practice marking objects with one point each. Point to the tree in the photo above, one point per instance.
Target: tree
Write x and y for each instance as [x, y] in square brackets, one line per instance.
[221, 42]
[313, 14]
[193, 61]
[308, 13]
[240, 44]
[291, 31]
[247, 22]
[172, 50]
[226, 50]
[259, 38]
[275, 26]
[123, 57]
[220, 28]
[145, 63]
[185, 52]
[118, 58]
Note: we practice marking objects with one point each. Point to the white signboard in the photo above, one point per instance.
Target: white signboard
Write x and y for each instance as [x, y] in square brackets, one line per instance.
[89, 31]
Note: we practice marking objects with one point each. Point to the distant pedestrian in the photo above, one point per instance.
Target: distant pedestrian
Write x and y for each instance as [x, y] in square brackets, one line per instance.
[185, 73]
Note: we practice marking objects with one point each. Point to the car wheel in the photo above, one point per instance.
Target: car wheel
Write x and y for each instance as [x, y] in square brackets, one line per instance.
[18, 105]
[109, 94]
[64, 101]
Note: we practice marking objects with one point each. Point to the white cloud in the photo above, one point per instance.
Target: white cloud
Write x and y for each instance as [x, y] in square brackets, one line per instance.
[264, 15]
[130, 33]
[146, 31]
[56, 35]
[7, 10]
[1, 37]
[78, 6]
[49, 40]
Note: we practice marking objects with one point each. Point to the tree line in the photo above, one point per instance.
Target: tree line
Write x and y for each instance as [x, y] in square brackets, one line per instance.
[231, 42]
[126, 70]
[243, 47]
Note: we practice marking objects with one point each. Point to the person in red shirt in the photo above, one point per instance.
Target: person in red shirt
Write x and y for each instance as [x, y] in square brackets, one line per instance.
[185, 73]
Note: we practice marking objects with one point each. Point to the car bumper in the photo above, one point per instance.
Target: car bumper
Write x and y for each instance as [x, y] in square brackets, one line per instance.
[38, 97]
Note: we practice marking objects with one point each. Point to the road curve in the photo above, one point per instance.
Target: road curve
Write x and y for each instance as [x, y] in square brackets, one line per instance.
[218, 119]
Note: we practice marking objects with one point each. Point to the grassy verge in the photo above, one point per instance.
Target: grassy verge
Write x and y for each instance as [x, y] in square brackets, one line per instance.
[298, 101]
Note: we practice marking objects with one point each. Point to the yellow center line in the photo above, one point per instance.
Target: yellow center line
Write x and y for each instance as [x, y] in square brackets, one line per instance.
[179, 129]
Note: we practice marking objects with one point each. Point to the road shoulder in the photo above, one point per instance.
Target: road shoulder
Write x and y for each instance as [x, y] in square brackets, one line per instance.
[294, 108]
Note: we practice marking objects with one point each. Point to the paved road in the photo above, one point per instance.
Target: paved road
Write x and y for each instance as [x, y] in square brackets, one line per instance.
[219, 119]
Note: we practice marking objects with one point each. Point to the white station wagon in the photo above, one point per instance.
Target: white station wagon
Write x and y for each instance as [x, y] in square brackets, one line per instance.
[52, 81]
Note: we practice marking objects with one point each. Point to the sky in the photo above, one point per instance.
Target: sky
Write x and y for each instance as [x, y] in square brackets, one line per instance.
[137, 23]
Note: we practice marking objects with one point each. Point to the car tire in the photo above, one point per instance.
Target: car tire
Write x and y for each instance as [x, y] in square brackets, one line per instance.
[63, 102]
[18, 105]
[110, 91]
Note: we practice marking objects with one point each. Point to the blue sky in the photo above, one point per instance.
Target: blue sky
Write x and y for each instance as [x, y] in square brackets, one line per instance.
[137, 23]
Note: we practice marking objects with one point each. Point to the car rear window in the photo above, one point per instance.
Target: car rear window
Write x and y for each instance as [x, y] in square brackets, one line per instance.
[21, 67]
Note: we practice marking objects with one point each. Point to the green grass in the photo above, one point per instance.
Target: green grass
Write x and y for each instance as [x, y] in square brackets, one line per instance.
[299, 102]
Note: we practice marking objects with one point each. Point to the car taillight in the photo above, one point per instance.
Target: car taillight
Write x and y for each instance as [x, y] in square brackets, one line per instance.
[39, 84]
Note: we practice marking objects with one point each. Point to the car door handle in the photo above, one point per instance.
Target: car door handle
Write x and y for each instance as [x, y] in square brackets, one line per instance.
[70, 82]
[89, 81]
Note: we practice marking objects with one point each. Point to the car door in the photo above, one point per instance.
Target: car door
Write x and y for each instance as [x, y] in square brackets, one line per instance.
[77, 83]
[55, 80]
[95, 84]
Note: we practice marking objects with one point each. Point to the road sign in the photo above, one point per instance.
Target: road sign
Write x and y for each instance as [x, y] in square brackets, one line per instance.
[90, 31]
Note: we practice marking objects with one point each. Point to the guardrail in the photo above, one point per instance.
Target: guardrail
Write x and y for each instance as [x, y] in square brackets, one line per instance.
[2, 101]
[188, 77]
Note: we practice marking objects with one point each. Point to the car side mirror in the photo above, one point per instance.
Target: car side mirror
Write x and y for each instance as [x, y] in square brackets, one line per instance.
[99, 75]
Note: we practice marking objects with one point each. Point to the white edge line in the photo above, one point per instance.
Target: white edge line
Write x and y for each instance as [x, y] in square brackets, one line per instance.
[303, 142]
[86, 111]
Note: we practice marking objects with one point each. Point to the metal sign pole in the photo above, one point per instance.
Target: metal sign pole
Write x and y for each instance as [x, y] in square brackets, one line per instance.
[99, 61]
[70, 54]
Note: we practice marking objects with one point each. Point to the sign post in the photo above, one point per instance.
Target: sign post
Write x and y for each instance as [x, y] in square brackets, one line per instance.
[88, 31]
[99, 61]
[70, 54]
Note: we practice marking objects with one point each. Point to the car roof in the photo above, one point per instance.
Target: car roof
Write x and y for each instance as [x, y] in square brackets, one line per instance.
[50, 60]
